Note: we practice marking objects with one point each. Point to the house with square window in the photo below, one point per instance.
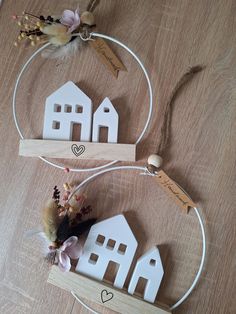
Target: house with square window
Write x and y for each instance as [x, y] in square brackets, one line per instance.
[110, 240]
[148, 267]
[66, 107]
[106, 117]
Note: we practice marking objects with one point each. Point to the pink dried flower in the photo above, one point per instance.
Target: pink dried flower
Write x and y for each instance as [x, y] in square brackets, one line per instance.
[70, 249]
[70, 19]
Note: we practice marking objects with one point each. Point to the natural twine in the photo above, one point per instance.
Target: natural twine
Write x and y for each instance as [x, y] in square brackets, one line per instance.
[166, 124]
[92, 5]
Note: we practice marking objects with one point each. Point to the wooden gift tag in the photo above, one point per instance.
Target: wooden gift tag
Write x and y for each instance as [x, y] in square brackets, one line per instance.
[179, 196]
[107, 56]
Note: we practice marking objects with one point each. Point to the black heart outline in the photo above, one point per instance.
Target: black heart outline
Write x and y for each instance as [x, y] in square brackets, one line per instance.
[107, 294]
[77, 150]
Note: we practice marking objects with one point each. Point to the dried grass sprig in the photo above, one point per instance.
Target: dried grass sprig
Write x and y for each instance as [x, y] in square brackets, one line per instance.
[50, 219]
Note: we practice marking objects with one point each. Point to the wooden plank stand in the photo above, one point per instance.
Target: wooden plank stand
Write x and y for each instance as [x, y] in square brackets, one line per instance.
[77, 150]
[102, 293]
[98, 250]
[69, 106]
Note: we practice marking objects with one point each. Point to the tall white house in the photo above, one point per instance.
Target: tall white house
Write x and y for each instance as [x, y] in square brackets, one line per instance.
[68, 106]
[108, 240]
[112, 240]
[65, 107]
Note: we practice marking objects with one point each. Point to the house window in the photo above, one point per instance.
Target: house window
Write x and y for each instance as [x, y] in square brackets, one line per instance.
[122, 248]
[106, 109]
[57, 108]
[152, 262]
[111, 244]
[68, 108]
[78, 109]
[100, 240]
[93, 258]
[56, 125]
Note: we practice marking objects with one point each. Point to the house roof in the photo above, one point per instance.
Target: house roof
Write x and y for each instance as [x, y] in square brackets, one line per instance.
[153, 253]
[116, 228]
[106, 103]
[69, 93]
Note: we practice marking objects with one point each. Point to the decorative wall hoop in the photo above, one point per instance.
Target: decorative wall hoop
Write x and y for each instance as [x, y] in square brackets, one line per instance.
[60, 280]
[93, 34]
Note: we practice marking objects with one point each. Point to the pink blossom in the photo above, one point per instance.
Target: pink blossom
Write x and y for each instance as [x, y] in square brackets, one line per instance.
[70, 249]
[70, 19]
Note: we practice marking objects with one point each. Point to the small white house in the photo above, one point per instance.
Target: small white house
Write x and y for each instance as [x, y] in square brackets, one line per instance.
[65, 107]
[106, 116]
[108, 240]
[149, 266]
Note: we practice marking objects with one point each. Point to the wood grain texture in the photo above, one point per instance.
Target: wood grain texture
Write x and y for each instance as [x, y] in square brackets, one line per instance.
[101, 293]
[63, 149]
[169, 36]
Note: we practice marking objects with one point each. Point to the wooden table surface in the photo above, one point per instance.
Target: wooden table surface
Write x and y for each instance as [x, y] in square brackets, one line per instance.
[169, 36]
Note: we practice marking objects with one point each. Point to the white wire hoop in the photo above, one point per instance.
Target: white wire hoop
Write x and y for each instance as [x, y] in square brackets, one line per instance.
[51, 163]
[197, 212]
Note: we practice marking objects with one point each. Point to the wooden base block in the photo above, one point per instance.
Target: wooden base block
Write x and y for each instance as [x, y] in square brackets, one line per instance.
[103, 294]
[77, 150]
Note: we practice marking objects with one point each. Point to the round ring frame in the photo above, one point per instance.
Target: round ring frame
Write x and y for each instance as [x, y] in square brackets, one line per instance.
[99, 35]
[144, 170]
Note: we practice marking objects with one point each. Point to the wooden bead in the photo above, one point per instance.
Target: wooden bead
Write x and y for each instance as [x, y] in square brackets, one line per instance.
[155, 160]
[87, 18]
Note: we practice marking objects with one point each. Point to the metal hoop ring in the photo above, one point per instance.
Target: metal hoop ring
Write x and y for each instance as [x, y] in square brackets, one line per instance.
[196, 210]
[146, 123]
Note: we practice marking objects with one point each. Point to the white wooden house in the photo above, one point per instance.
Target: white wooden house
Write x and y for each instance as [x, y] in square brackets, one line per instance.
[106, 116]
[108, 240]
[149, 266]
[65, 107]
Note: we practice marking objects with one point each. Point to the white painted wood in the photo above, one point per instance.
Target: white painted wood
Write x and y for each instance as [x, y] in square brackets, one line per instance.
[149, 266]
[106, 116]
[62, 110]
[98, 245]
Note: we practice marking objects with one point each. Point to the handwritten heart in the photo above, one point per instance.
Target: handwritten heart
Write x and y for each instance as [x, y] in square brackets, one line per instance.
[77, 150]
[106, 296]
